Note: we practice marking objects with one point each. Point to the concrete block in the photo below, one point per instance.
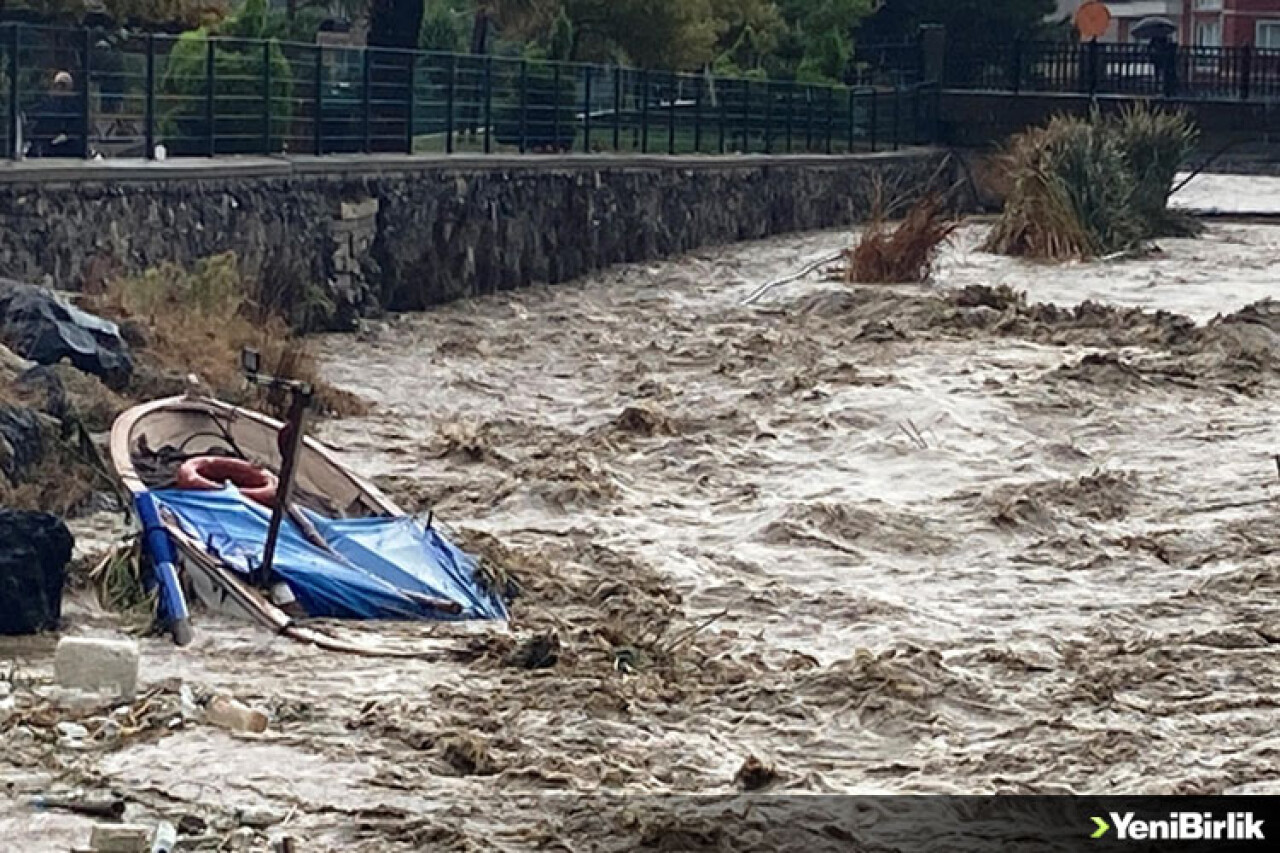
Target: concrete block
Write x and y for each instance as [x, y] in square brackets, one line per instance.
[120, 838]
[358, 209]
[95, 664]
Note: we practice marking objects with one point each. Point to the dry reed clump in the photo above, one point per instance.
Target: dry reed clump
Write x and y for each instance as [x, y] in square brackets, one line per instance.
[196, 321]
[905, 254]
[1085, 187]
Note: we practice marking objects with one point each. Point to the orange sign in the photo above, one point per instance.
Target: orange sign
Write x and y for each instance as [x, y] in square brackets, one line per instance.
[1092, 19]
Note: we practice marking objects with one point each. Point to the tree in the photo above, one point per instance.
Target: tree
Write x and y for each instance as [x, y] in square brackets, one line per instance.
[748, 34]
[394, 23]
[238, 74]
[676, 34]
[818, 42]
[442, 27]
[966, 21]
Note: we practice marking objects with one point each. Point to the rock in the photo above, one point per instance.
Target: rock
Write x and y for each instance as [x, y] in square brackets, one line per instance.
[21, 445]
[40, 326]
[260, 817]
[62, 392]
[34, 551]
[96, 664]
[755, 774]
[120, 838]
[229, 714]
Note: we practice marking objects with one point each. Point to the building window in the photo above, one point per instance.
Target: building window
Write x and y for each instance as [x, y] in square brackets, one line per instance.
[1209, 34]
[1268, 35]
[1208, 5]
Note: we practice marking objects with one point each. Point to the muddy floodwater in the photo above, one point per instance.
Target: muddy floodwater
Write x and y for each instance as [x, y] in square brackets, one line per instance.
[876, 539]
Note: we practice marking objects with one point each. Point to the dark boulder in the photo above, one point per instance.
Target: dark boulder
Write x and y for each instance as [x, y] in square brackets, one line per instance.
[38, 325]
[21, 443]
[34, 551]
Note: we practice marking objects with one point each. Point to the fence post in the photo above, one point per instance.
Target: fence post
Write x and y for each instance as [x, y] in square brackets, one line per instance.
[1093, 51]
[411, 99]
[722, 116]
[831, 106]
[791, 100]
[149, 104]
[488, 104]
[448, 102]
[897, 115]
[1015, 68]
[768, 116]
[852, 131]
[671, 112]
[746, 116]
[524, 105]
[697, 117]
[15, 125]
[808, 119]
[644, 111]
[586, 109]
[266, 95]
[1246, 71]
[366, 76]
[86, 70]
[875, 116]
[210, 85]
[617, 107]
[317, 131]
[555, 113]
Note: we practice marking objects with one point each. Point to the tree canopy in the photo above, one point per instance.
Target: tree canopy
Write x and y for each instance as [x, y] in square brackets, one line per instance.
[809, 38]
[966, 21]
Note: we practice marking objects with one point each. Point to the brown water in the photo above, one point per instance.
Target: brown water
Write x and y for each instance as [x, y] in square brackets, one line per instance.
[890, 539]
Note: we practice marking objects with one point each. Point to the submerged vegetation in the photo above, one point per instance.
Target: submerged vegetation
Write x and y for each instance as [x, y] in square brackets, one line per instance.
[906, 253]
[1087, 187]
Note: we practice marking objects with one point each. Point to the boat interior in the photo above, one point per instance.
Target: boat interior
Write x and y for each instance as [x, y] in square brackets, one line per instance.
[160, 440]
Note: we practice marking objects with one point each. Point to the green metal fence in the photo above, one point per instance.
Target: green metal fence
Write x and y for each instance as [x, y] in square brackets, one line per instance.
[206, 97]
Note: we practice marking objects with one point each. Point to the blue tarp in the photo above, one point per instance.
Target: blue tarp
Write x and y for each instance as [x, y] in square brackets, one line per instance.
[387, 564]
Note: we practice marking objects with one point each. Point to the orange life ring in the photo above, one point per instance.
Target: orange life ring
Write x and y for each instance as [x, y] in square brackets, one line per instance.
[207, 473]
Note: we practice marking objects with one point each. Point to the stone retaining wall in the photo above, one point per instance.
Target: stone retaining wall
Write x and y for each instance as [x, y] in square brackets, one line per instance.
[407, 232]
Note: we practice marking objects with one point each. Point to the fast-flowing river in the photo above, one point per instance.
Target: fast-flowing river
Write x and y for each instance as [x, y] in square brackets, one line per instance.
[881, 539]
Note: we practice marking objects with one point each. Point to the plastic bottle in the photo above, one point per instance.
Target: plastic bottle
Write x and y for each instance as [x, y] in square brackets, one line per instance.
[166, 838]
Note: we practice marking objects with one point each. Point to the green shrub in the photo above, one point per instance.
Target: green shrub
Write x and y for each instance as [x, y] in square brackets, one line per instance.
[1084, 187]
[1155, 145]
[238, 68]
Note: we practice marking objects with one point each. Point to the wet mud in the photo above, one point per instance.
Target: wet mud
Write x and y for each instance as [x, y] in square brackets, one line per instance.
[1015, 531]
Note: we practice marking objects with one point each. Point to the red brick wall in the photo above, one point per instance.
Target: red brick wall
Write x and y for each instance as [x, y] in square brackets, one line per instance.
[1240, 18]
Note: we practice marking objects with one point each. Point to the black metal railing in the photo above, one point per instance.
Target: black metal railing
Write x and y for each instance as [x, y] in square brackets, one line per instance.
[196, 96]
[1095, 68]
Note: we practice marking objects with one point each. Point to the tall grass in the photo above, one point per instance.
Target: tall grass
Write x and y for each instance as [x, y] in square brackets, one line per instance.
[197, 320]
[1084, 187]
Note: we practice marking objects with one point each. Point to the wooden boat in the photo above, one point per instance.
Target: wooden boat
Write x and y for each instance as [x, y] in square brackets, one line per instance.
[356, 577]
